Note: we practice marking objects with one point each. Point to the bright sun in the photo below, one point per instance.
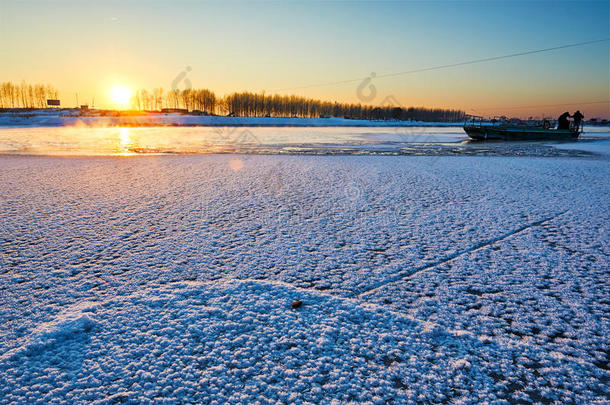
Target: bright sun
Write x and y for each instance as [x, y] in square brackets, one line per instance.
[120, 96]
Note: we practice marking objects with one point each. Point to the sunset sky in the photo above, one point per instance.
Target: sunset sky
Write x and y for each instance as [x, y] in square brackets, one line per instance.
[89, 48]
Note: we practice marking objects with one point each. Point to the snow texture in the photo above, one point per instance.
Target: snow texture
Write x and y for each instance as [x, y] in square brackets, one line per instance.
[169, 279]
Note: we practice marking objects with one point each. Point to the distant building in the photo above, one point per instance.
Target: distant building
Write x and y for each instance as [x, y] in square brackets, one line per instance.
[52, 102]
[324, 115]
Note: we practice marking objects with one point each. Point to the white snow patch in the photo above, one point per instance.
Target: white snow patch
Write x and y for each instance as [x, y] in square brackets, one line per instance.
[109, 264]
[601, 147]
[241, 340]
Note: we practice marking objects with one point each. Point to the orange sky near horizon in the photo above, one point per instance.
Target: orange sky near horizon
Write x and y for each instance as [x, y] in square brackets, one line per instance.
[91, 49]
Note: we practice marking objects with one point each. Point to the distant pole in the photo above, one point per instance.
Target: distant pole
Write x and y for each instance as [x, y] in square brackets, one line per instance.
[76, 100]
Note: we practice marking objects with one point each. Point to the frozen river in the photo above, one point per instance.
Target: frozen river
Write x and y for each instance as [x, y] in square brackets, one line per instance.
[92, 141]
[465, 276]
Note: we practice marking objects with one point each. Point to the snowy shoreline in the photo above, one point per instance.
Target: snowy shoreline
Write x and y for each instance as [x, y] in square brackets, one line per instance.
[57, 118]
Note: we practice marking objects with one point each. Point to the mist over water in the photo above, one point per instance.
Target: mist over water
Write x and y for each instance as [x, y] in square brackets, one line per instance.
[129, 141]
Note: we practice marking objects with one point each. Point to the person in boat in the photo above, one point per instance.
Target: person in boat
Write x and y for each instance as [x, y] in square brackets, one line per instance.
[577, 119]
[563, 122]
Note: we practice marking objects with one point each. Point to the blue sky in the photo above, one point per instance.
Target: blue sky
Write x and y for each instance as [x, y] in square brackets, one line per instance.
[86, 47]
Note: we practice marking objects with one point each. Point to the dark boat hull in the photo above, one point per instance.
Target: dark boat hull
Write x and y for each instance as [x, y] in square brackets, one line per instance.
[482, 133]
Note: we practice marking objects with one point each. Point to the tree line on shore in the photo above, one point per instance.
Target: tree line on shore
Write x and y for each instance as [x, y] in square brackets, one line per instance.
[26, 95]
[262, 105]
[189, 99]
[237, 104]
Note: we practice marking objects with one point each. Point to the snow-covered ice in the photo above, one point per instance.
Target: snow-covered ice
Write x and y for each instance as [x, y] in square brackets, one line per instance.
[240, 341]
[597, 146]
[464, 279]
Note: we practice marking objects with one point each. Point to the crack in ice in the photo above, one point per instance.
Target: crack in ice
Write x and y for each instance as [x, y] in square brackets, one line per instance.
[403, 275]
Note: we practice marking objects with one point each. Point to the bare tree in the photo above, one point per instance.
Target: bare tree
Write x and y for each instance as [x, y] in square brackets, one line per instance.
[25, 95]
[260, 105]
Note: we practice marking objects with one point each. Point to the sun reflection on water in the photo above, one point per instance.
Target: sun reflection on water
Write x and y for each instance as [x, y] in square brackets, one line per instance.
[125, 142]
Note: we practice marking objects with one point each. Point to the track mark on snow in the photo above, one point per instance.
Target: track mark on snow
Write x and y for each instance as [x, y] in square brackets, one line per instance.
[405, 274]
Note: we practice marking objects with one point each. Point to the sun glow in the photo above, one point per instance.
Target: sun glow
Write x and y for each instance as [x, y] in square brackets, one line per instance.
[120, 96]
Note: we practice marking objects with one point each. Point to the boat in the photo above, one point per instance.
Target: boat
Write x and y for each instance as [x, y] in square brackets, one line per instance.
[480, 129]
